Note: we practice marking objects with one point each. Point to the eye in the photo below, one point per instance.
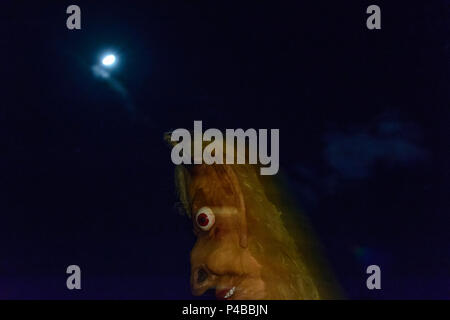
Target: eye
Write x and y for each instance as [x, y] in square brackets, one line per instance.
[205, 218]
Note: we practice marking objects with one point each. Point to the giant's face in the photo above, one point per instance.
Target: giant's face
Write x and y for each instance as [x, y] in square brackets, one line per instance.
[221, 259]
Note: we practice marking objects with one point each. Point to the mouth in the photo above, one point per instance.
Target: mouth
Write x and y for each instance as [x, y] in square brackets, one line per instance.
[225, 294]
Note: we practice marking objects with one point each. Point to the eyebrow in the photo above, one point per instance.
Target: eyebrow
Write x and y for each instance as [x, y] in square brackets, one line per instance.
[199, 194]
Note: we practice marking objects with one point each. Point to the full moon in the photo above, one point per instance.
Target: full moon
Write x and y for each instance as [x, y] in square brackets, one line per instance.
[109, 60]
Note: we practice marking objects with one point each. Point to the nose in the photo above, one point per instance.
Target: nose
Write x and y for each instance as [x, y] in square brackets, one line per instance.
[202, 275]
[201, 280]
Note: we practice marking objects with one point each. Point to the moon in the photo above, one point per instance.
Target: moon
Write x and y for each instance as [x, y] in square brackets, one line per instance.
[109, 60]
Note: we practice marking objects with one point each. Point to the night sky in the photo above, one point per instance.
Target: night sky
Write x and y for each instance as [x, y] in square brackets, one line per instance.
[86, 177]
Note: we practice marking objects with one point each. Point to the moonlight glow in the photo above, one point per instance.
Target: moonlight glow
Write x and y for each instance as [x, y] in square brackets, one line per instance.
[109, 60]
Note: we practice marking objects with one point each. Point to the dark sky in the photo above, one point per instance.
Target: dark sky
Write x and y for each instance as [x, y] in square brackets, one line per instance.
[87, 179]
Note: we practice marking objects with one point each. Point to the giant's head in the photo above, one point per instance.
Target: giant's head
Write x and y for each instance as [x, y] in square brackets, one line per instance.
[243, 249]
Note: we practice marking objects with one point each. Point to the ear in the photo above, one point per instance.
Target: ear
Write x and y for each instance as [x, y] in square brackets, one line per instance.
[182, 181]
[182, 178]
[235, 185]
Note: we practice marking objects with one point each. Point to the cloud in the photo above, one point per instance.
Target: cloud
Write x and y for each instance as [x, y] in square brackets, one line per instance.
[353, 154]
